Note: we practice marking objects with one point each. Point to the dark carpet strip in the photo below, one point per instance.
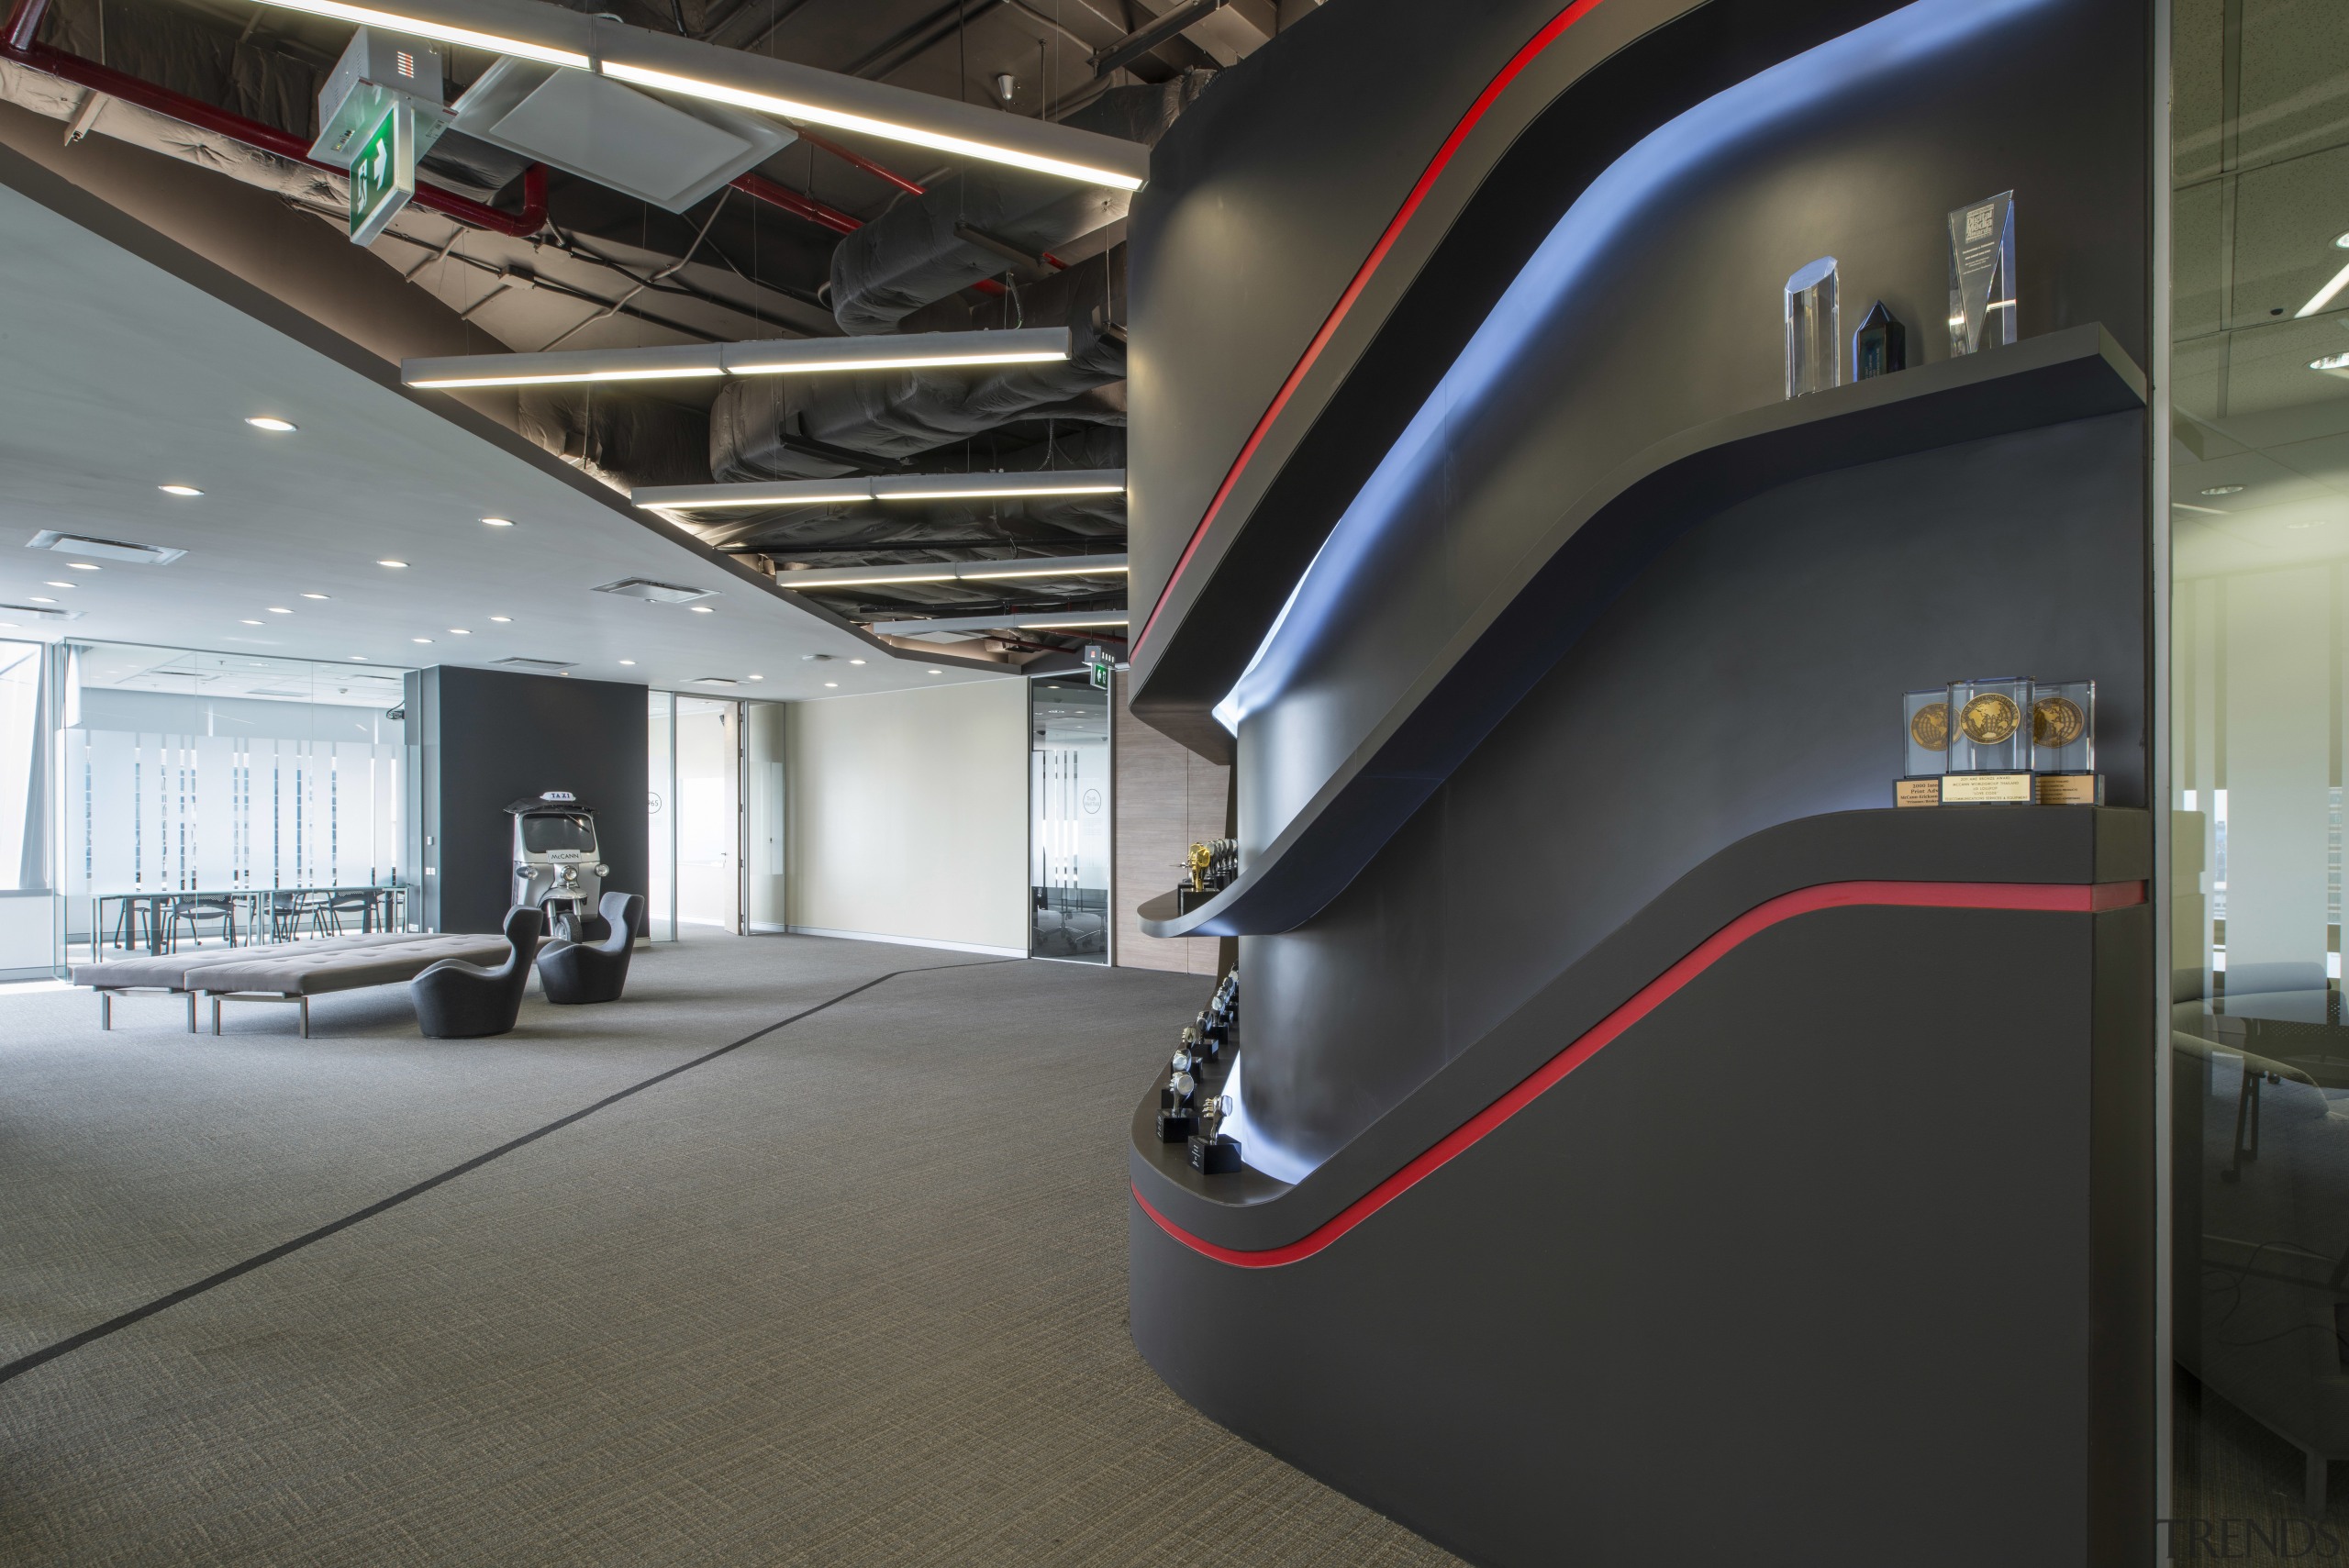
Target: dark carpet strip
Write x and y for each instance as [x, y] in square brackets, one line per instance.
[27, 1362]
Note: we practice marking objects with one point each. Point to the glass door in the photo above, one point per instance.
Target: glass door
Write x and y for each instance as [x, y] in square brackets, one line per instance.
[709, 813]
[2259, 690]
[1069, 818]
[764, 825]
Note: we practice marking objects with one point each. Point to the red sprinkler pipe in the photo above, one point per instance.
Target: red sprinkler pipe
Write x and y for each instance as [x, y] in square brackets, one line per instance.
[19, 45]
[792, 202]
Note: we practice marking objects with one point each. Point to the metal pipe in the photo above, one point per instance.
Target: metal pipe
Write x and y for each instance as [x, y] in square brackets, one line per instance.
[792, 202]
[24, 22]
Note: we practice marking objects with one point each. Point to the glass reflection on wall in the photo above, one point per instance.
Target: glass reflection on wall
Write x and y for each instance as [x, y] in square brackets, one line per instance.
[223, 774]
[660, 812]
[2259, 687]
[1068, 828]
[709, 823]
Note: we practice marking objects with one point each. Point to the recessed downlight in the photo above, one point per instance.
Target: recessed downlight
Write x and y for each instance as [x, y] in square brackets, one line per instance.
[82, 566]
[629, 662]
[458, 631]
[758, 677]
[856, 661]
[2224, 489]
[501, 619]
[279, 610]
[499, 522]
[314, 595]
[359, 658]
[419, 640]
[701, 609]
[397, 563]
[249, 623]
[271, 422]
[829, 684]
[178, 490]
[57, 584]
[938, 671]
[38, 599]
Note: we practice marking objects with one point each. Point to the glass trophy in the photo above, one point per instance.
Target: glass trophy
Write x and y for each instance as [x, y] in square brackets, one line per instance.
[1814, 329]
[1880, 346]
[2063, 744]
[1982, 274]
[1989, 741]
[1924, 747]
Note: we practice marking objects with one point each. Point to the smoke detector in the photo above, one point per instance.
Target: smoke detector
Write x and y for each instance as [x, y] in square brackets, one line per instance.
[104, 549]
[671, 153]
[656, 592]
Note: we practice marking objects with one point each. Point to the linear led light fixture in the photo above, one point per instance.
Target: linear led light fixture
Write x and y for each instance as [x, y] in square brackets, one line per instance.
[687, 68]
[1072, 621]
[887, 487]
[953, 571]
[515, 42]
[768, 356]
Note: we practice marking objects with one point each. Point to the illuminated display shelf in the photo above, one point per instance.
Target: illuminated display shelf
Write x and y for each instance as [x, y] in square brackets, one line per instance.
[1621, 523]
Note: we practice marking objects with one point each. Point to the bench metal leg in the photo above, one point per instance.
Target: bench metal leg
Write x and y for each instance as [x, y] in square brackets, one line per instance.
[215, 1014]
[105, 1009]
[306, 1017]
[191, 1012]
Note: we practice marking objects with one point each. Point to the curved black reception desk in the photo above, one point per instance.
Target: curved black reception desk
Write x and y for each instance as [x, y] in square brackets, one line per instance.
[1656, 1148]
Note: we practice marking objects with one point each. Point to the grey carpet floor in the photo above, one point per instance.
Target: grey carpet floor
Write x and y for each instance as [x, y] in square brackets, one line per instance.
[855, 1293]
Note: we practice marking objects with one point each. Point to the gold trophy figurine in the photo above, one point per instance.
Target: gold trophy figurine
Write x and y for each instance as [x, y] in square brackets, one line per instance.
[1202, 858]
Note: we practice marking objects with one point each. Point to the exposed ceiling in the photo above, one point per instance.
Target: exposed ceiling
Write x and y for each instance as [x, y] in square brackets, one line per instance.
[118, 376]
[931, 246]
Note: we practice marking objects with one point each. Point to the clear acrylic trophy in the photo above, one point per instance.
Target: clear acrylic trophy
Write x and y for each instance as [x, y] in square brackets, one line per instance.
[1982, 274]
[1814, 329]
[2063, 737]
[1924, 747]
[1989, 741]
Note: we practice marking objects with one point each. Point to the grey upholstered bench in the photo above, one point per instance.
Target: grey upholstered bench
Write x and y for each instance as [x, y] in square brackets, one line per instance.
[296, 972]
[179, 974]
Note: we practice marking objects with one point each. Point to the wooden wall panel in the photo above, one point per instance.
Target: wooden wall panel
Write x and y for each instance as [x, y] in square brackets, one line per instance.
[1167, 799]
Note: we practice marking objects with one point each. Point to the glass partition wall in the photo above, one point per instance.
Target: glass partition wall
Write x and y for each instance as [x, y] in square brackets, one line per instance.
[199, 794]
[1069, 818]
[2259, 690]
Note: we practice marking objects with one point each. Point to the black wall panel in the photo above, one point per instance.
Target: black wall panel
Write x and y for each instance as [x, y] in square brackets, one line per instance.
[487, 737]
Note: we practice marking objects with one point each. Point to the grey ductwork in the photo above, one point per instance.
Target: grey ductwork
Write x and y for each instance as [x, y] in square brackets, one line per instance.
[822, 427]
[624, 441]
[913, 253]
[902, 528]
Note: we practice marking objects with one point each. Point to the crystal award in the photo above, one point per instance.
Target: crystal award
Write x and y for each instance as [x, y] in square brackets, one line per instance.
[1982, 274]
[2063, 744]
[1924, 747]
[1989, 741]
[1880, 346]
[1814, 329]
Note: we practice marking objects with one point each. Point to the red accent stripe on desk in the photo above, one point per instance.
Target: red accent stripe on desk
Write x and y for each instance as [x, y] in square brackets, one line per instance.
[2068, 898]
[1443, 155]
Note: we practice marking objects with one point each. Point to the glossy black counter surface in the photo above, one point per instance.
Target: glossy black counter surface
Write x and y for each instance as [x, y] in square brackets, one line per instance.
[1948, 851]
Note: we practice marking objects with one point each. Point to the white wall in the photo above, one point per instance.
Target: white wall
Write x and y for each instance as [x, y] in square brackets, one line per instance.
[908, 815]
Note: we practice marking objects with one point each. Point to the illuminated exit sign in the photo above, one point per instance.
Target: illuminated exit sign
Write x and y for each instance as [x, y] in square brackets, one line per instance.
[383, 174]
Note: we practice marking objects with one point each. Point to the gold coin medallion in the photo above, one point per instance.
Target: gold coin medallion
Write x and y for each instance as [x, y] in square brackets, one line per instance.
[2056, 721]
[1990, 718]
[1930, 727]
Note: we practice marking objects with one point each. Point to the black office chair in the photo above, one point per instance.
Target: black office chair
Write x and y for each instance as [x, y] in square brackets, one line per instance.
[194, 912]
[595, 972]
[456, 1000]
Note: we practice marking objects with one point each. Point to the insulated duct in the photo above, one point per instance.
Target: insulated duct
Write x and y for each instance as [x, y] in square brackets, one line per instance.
[823, 426]
[907, 529]
[916, 253]
[624, 441]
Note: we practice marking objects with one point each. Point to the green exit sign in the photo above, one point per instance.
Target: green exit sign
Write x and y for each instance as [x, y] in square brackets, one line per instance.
[1101, 677]
[383, 176]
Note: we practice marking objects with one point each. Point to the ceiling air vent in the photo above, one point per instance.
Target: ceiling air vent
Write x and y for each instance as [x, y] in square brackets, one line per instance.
[517, 662]
[657, 593]
[40, 612]
[714, 680]
[103, 548]
[671, 153]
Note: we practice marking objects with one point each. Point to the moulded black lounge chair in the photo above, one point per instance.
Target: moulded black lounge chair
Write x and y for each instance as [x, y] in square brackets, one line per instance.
[595, 972]
[456, 1000]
